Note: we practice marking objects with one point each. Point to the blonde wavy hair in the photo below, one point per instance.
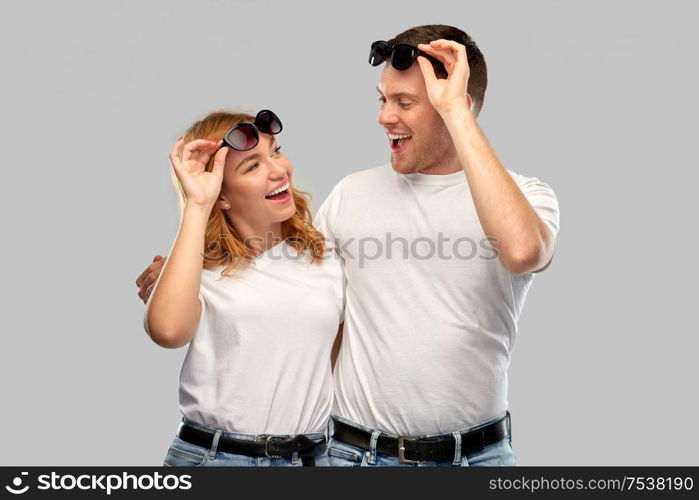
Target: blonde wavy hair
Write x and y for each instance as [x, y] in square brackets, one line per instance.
[222, 244]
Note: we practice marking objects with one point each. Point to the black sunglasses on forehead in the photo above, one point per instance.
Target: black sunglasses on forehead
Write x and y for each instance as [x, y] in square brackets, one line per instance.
[246, 136]
[402, 55]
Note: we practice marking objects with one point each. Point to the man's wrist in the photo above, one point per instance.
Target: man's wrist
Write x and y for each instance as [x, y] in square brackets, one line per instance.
[456, 112]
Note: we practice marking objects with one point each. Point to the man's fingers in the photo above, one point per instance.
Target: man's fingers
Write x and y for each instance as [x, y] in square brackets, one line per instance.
[148, 281]
[443, 55]
[427, 70]
[148, 293]
[456, 50]
[156, 265]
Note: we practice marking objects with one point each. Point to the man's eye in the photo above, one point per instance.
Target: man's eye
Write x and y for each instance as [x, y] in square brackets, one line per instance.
[404, 105]
[252, 167]
[382, 100]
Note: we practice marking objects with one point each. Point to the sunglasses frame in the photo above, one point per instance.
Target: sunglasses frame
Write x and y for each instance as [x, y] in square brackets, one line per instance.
[375, 61]
[256, 126]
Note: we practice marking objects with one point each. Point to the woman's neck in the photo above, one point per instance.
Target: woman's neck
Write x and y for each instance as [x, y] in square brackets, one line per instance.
[259, 237]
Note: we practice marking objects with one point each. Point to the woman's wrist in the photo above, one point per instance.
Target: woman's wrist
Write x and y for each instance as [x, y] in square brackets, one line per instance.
[197, 210]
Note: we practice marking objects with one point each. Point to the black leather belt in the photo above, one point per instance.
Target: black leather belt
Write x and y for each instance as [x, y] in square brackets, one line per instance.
[414, 449]
[269, 446]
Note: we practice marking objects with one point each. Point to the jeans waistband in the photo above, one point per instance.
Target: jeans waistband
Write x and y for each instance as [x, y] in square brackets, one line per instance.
[248, 437]
[462, 431]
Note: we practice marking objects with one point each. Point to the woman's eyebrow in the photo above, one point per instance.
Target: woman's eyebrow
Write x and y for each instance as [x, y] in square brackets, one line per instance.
[249, 157]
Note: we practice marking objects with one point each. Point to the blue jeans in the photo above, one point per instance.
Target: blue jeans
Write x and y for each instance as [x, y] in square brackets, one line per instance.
[184, 454]
[344, 455]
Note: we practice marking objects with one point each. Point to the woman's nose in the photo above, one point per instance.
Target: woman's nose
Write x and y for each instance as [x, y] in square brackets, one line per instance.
[277, 170]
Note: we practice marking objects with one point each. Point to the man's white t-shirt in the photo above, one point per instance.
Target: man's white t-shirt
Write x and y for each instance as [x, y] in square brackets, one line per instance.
[259, 362]
[431, 314]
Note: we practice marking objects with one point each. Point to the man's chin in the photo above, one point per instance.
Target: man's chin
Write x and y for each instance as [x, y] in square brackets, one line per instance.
[402, 166]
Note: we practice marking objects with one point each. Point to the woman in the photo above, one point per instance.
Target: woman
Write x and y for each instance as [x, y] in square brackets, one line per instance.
[251, 286]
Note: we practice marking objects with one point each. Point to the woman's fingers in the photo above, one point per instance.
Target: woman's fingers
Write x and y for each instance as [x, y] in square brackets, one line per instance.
[176, 152]
[219, 162]
[194, 149]
[206, 152]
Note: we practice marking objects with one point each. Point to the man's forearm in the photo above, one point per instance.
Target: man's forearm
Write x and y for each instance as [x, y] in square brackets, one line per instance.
[522, 240]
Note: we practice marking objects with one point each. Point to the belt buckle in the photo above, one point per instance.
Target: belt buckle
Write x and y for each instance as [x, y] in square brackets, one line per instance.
[401, 449]
[267, 446]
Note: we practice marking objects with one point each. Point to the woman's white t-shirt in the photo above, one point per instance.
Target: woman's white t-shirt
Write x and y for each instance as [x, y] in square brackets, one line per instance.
[259, 362]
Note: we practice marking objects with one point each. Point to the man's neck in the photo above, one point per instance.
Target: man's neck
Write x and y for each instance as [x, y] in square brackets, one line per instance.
[448, 165]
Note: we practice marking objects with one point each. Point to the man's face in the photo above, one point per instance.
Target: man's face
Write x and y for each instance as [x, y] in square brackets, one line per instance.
[417, 135]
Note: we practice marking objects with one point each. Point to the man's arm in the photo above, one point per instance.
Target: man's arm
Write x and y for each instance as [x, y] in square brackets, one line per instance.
[523, 241]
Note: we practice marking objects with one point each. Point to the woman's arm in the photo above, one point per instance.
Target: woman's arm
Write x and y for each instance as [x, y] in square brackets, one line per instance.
[173, 309]
[336, 346]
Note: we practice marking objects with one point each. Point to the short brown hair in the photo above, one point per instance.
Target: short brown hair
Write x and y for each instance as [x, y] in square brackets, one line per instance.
[478, 77]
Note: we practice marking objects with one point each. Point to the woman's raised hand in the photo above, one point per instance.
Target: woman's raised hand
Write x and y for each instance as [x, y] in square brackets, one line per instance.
[201, 188]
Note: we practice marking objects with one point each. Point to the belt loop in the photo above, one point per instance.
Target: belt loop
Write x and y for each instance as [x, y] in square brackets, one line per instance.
[457, 448]
[214, 445]
[372, 447]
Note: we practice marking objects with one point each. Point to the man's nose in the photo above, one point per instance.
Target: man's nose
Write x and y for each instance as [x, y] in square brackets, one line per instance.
[387, 115]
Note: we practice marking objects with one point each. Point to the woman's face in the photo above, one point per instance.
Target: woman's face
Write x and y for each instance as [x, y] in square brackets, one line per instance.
[250, 178]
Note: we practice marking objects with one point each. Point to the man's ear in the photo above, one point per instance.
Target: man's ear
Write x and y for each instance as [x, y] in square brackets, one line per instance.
[470, 102]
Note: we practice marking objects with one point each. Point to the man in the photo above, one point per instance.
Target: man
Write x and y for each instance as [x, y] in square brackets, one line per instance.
[439, 250]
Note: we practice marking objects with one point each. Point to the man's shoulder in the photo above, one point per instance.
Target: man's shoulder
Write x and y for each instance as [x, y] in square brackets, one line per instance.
[364, 179]
[525, 181]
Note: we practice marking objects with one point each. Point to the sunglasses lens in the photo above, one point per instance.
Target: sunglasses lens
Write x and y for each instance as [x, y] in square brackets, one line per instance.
[403, 56]
[243, 137]
[378, 53]
[268, 122]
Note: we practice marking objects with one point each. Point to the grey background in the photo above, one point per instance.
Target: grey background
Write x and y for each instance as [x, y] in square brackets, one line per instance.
[595, 98]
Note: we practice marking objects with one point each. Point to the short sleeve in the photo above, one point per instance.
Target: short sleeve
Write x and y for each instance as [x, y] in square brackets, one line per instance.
[543, 200]
[322, 219]
[325, 217]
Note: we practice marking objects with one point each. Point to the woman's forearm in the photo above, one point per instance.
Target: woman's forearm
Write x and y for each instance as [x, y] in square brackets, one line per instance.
[173, 310]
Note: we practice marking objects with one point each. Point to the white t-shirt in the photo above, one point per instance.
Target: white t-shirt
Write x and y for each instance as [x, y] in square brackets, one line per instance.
[428, 333]
[259, 362]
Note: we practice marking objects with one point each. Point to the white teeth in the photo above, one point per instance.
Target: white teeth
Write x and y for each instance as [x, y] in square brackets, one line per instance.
[282, 188]
[395, 136]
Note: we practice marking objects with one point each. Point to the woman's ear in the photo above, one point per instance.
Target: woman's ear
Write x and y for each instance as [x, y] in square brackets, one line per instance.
[223, 204]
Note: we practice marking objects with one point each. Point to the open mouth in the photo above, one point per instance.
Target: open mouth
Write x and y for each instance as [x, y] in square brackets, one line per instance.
[399, 142]
[280, 194]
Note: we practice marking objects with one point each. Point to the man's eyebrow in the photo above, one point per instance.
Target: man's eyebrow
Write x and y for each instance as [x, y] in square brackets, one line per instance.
[398, 95]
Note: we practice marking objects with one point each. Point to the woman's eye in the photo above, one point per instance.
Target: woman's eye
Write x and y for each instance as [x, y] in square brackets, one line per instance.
[404, 105]
[252, 167]
[276, 151]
